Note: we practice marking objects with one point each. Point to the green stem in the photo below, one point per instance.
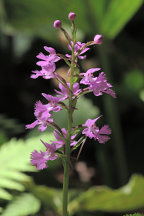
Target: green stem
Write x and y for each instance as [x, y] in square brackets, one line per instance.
[66, 160]
[111, 106]
[111, 111]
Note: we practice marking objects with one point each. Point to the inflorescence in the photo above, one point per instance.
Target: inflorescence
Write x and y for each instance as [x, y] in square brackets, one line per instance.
[81, 83]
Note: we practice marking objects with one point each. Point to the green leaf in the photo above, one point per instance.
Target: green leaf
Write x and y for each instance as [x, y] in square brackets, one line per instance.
[50, 197]
[10, 184]
[77, 131]
[79, 142]
[5, 195]
[15, 158]
[97, 9]
[118, 13]
[23, 205]
[136, 214]
[103, 198]
[36, 17]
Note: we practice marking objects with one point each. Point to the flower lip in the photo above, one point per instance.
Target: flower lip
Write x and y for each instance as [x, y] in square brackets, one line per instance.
[91, 130]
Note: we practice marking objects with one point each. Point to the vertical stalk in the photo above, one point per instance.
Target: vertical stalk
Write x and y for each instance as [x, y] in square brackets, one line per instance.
[113, 118]
[67, 147]
[111, 107]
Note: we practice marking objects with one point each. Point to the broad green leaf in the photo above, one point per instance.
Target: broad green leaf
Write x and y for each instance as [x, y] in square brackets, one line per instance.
[103, 198]
[97, 10]
[13, 174]
[136, 214]
[141, 95]
[118, 13]
[5, 195]
[24, 205]
[36, 17]
[43, 13]
[15, 158]
[50, 197]
[10, 184]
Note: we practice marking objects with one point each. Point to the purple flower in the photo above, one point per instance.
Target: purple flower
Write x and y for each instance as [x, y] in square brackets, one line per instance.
[52, 105]
[60, 142]
[47, 72]
[92, 131]
[40, 159]
[43, 117]
[64, 93]
[78, 46]
[72, 16]
[88, 76]
[57, 24]
[47, 64]
[98, 85]
[51, 58]
[98, 39]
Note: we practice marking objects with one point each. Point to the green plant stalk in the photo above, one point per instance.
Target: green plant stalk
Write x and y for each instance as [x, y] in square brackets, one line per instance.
[66, 160]
[111, 111]
[110, 106]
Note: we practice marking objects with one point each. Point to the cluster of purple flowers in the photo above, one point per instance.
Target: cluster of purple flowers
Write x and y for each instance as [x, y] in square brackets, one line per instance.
[90, 83]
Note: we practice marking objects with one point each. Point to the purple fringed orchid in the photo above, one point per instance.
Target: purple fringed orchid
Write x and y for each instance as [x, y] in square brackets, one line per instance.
[78, 46]
[98, 85]
[43, 117]
[53, 102]
[47, 64]
[66, 140]
[60, 142]
[88, 76]
[40, 159]
[64, 93]
[92, 131]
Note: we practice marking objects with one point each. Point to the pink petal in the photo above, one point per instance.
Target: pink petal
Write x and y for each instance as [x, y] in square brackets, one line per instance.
[32, 125]
[50, 50]
[105, 130]
[41, 56]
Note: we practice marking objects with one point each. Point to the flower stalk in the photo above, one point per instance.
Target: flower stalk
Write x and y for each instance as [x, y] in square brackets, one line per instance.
[67, 140]
[67, 147]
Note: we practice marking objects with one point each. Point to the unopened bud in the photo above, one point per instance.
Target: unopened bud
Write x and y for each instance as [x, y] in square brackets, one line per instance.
[57, 24]
[72, 16]
[98, 39]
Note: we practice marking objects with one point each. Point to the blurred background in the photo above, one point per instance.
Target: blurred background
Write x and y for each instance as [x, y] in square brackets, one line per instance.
[25, 28]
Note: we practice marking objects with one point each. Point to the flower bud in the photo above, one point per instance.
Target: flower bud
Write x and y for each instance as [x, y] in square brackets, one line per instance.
[98, 39]
[72, 16]
[57, 24]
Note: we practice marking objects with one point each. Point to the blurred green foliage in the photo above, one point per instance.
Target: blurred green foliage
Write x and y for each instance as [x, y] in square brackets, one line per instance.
[136, 214]
[23, 205]
[33, 16]
[23, 21]
[103, 198]
[9, 128]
